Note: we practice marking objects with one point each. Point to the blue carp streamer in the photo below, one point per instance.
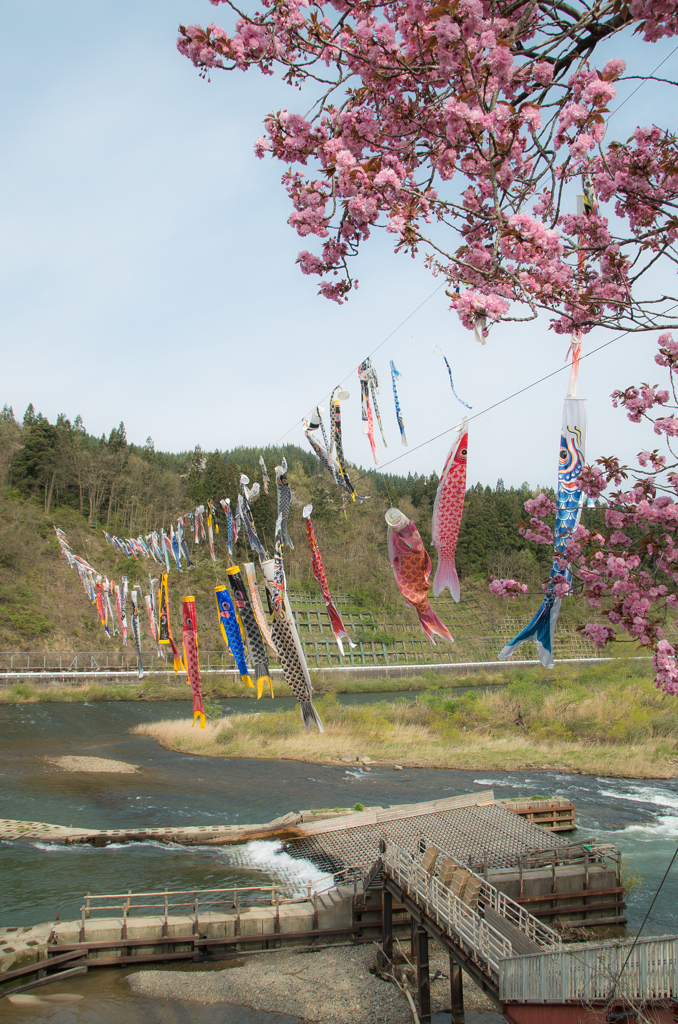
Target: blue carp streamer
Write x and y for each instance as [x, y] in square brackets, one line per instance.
[571, 461]
[452, 385]
[399, 416]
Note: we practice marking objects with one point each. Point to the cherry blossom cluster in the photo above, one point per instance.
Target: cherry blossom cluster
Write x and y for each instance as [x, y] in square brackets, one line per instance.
[507, 588]
[459, 129]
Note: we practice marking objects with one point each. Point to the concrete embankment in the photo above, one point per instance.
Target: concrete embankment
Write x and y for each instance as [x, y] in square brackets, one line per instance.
[122, 939]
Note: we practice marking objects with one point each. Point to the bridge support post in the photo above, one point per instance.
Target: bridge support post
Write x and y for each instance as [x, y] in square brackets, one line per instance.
[387, 924]
[457, 993]
[423, 980]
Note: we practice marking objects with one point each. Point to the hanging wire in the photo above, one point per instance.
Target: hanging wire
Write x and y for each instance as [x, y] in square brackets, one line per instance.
[654, 900]
[502, 401]
[387, 338]
[645, 80]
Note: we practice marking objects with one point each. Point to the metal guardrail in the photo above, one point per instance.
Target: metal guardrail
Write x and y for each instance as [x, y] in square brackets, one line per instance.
[193, 900]
[460, 921]
[594, 973]
[92, 662]
[583, 855]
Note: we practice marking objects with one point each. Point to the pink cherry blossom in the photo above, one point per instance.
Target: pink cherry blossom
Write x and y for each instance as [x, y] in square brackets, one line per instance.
[507, 588]
[509, 101]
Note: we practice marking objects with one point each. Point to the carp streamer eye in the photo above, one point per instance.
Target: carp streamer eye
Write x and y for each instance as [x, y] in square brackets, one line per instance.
[564, 454]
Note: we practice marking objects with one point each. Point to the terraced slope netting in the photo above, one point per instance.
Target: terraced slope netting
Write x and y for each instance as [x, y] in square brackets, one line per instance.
[395, 637]
[478, 836]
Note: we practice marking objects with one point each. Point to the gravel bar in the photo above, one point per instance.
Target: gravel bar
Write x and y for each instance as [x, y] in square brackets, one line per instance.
[332, 986]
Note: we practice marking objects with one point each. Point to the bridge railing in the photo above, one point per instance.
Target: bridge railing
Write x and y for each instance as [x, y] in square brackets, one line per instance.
[487, 946]
[599, 973]
[503, 905]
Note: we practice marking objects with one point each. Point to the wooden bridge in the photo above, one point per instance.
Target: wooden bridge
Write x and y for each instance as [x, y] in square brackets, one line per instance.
[519, 962]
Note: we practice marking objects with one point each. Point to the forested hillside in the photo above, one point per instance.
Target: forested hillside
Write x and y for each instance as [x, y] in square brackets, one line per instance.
[58, 474]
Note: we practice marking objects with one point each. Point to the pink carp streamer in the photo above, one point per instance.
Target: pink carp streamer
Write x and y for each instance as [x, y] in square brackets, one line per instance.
[191, 659]
[447, 512]
[574, 351]
[338, 627]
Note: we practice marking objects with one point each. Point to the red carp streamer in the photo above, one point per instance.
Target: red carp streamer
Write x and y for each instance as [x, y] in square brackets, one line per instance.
[191, 657]
[100, 605]
[412, 570]
[338, 627]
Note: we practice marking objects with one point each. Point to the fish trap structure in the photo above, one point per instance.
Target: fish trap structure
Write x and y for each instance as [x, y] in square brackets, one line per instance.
[569, 885]
[475, 829]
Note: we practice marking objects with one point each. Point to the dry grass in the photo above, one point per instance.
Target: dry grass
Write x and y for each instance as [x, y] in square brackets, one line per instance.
[603, 719]
[280, 736]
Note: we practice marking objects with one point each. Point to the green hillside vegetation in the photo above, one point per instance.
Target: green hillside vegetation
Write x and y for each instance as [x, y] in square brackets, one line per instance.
[58, 474]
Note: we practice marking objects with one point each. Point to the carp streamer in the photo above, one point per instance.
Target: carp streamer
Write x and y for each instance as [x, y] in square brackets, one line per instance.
[192, 660]
[338, 627]
[232, 632]
[255, 644]
[449, 370]
[369, 386]
[164, 628]
[399, 416]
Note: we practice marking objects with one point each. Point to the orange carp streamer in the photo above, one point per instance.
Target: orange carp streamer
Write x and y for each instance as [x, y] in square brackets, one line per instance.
[412, 570]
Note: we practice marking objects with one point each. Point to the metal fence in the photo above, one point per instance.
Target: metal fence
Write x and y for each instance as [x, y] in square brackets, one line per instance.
[196, 901]
[593, 973]
[185, 901]
[392, 638]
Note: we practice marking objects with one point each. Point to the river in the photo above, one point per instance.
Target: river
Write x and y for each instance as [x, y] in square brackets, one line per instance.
[40, 879]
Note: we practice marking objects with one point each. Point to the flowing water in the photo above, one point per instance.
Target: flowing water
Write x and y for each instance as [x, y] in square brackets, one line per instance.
[39, 879]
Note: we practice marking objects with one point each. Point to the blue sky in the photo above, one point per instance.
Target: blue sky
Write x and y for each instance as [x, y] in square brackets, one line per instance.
[148, 272]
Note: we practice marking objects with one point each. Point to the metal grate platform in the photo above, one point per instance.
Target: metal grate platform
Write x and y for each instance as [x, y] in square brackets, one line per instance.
[487, 836]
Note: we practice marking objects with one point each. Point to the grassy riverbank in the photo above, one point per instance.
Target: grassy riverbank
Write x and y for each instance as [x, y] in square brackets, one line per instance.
[160, 688]
[602, 720]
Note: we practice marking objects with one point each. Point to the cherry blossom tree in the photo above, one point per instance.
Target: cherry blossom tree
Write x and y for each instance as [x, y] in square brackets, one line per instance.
[463, 127]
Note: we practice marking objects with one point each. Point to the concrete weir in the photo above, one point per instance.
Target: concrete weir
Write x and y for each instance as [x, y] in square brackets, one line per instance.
[568, 886]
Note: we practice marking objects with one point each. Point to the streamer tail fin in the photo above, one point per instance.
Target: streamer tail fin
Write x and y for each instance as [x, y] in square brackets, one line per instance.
[310, 716]
[541, 628]
[446, 576]
[432, 625]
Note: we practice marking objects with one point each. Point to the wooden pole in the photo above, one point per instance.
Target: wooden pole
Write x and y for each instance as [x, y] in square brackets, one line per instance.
[423, 980]
[457, 993]
[387, 924]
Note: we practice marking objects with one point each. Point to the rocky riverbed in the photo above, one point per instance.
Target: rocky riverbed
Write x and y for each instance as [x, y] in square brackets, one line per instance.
[332, 986]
